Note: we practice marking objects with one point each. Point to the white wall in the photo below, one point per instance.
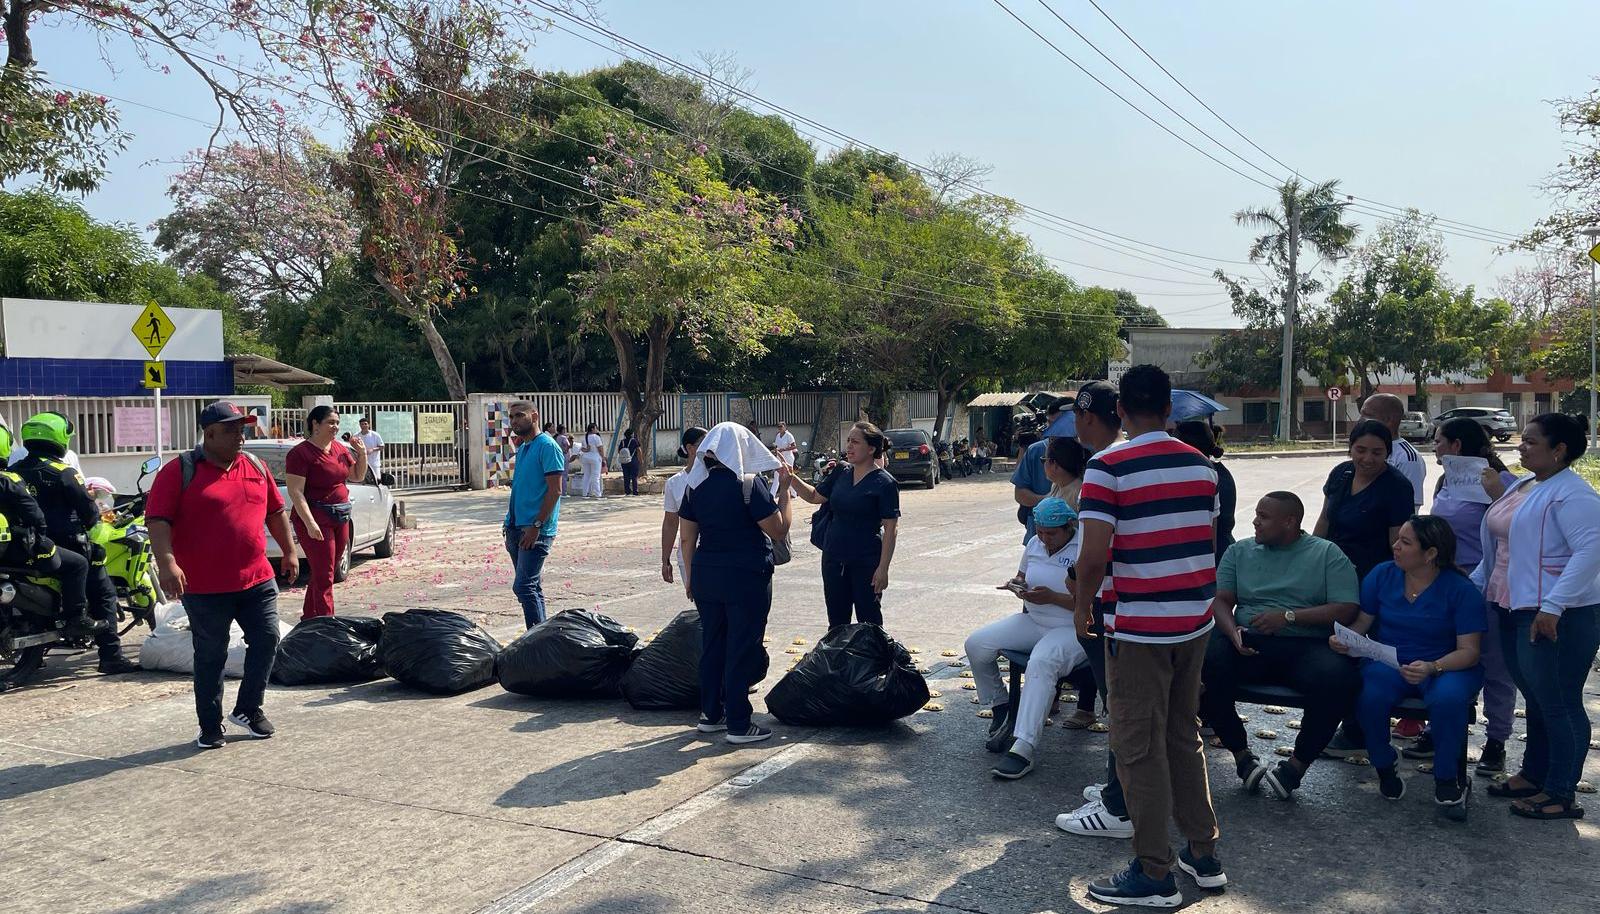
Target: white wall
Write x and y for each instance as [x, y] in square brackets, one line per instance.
[37, 329]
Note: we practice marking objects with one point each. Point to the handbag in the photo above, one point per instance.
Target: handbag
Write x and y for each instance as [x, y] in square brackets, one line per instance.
[341, 512]
[820, 521]
[781, 551]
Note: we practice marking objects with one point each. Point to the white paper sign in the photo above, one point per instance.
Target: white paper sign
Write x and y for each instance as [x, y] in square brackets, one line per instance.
[1463, 478]
[1362, 646]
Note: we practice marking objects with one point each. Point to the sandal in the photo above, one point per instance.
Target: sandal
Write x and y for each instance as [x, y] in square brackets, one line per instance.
[1078, 719]
[1550, 808]
[1505, 791]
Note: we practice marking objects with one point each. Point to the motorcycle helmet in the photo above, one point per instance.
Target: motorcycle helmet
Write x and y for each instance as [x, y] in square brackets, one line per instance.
[48, 428]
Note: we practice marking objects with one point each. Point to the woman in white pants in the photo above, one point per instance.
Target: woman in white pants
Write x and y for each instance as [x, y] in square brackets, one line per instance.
[1044, 629]
[592, 455]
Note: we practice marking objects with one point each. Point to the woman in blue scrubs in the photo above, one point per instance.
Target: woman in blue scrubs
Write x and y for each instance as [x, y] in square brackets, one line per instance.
[864, 501]
[726, 525]
[1433, 617]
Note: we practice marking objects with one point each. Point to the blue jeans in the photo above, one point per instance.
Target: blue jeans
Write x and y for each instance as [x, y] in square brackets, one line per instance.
[1555, 673]
[1448, 696]
[256, 611]
[527, 581]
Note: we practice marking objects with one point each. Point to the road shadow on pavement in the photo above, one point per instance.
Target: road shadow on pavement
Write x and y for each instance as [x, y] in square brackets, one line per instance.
[21, 780]
[215, 896]
[625, 769]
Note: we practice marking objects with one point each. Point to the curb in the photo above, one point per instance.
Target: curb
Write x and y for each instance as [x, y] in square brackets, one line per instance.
[1331, 452]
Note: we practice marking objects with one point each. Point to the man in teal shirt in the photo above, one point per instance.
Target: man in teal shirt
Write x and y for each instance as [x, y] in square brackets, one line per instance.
[530, 527]
[1278, 595]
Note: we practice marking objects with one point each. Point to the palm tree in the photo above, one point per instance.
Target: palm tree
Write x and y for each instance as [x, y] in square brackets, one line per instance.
[1305, 215]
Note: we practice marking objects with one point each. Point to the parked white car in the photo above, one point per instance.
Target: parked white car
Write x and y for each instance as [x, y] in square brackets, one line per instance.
[372, 505]
[1415, 427]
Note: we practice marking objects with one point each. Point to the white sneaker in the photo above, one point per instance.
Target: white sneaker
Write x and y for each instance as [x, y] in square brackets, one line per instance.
[1093, 821]
[1092, 792]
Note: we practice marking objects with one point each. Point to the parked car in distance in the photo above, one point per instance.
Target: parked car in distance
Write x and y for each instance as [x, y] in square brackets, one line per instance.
[911, 457]
[1415, 427]
[372, 505]
[1499, 423]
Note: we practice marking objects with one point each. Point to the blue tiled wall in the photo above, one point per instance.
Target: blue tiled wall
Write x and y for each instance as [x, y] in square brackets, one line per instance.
[109, 378]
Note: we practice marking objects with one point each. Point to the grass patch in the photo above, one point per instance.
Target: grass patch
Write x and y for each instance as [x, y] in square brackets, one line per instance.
[1587, 467]
[1261, 447]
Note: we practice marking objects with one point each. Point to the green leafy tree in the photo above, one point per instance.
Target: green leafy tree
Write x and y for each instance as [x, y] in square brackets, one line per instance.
[1302, 216]
[63, 138]
[1130, 313]
[678, 253]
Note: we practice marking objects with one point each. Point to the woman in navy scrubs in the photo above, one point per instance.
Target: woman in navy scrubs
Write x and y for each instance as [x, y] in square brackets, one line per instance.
[864, 501]
[1366, 500]
[1433, 617]
[726, 525]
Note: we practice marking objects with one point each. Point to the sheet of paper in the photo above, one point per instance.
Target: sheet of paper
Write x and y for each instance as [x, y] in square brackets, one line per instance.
[1463, 478]
[1362, 646]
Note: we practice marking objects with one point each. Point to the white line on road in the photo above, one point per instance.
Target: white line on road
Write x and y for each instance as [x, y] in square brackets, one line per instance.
[1008, 536]
[581, 867]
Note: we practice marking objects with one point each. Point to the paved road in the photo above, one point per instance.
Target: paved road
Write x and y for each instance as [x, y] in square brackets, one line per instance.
[376, 798]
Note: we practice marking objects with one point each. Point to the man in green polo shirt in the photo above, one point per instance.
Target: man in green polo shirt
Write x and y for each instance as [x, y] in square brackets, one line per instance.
[1278, 595]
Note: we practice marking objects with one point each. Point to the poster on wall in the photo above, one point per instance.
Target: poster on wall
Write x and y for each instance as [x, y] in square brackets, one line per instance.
[135, 426]
[436, 428]
[396, 427]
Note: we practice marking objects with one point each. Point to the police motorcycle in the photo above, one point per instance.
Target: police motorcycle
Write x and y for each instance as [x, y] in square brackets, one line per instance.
[125, 540]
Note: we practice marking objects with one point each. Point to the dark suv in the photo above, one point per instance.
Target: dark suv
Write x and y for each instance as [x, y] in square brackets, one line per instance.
[911, 457]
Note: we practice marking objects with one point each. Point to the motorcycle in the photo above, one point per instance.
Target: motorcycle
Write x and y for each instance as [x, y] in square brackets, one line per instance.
[125, 539]
[31, 623]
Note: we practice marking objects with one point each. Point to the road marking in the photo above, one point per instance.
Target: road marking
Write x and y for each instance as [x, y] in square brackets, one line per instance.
[1009, 536]
[586, 864]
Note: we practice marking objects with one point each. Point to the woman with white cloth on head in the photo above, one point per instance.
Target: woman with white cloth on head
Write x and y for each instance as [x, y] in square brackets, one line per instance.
[728, 520]
[1044, 629]
[592, 456]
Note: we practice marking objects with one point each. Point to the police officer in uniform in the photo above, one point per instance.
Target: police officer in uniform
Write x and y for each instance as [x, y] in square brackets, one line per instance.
[25, 544]
[70, 512]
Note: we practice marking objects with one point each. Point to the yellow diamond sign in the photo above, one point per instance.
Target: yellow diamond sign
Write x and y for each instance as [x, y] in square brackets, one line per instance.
[1594, 253]
[153, 329]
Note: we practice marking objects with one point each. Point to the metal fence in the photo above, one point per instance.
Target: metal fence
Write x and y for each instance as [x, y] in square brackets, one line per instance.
[424, 443]
[107, 426]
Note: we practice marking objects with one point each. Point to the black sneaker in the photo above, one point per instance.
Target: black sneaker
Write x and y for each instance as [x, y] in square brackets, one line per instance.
[1493, 759]
[116, 666]
[1012, 766]
[707, 725]
[1283, 780]
[254, 723]
[1421, 749]
[1206, 871]
[752, 734]
[1452, 797]
[1250, 772]
[1133, 887]
[1342, 746]
[211, 739]
[1389, 784]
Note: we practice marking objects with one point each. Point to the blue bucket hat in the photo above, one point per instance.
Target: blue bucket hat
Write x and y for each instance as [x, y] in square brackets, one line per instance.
[1053, 512]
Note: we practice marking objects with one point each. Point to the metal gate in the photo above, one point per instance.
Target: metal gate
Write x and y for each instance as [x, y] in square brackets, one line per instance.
[424, 443]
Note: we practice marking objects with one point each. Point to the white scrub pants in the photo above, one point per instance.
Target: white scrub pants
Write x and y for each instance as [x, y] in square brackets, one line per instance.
[1053, 652]
[592, 483]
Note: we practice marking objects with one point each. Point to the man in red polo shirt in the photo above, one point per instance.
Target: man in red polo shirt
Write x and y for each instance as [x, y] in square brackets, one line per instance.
[208, 512]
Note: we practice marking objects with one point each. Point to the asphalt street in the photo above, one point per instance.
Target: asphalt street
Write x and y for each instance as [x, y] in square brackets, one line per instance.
[378, 798]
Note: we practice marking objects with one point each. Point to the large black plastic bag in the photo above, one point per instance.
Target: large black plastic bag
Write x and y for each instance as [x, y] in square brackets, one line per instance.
[666, 674]
[573, 654]
[327, 649]
[437, 651]
[856, 676]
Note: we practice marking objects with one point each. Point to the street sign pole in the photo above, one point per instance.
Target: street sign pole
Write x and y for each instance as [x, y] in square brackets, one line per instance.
[153, 330]
[1593, 234]
[1334, 394]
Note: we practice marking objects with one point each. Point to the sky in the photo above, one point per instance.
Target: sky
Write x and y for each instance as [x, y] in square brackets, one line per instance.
[1442, 107]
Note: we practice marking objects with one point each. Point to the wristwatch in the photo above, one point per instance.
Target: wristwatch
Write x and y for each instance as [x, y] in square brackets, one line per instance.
[1288, 616]
[1437, 669]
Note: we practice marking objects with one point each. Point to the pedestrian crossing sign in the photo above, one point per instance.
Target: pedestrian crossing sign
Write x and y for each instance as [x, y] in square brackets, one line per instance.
[155, 375]
[153, 329]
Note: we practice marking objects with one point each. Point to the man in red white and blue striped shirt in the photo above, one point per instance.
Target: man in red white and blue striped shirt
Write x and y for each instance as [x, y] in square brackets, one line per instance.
[1151, 501]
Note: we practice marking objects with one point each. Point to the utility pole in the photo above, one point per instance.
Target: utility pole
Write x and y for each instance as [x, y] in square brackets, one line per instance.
[1291, 305]
[1593, 234]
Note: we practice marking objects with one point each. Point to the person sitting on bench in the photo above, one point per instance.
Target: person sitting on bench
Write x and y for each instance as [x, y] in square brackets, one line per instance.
[1434, 618]
[1278, 595]
[1045, 628]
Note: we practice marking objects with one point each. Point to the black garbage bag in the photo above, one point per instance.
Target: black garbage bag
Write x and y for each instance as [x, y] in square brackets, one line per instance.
[666, 674]
[856, 676]
[327, 649]
[573, 654]
[437, 651]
